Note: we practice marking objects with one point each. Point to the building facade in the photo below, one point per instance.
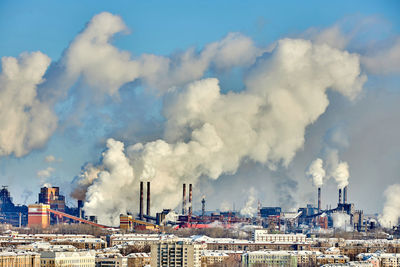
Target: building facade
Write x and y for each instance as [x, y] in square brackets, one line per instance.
[176, 253]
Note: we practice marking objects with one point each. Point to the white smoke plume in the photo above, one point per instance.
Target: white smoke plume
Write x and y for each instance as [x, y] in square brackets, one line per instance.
[250, 209]
[341, 174]
[338, 170]
[391, 210]
[84, 180]
[342, 221]
[26, 121]
[316, 172]
[106, 68]
[209, 133]
[225, 206]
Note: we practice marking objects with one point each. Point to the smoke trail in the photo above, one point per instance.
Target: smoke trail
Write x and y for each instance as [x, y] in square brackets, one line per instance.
[338, 170]
[316, 172]
[342, 221]
[249, 208]
[209, 133]
[341, 174]
[391, 210]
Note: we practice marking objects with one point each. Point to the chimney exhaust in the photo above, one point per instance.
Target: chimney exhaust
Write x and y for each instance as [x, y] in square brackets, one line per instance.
[184, 200]
[141, 202]
[148, 200]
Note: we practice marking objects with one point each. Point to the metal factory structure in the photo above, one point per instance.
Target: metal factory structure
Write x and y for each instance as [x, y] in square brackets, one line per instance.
[52, 209]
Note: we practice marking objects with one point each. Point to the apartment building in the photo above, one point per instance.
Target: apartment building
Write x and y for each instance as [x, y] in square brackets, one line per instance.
[19, 259]
[67, 259]
[176, 253]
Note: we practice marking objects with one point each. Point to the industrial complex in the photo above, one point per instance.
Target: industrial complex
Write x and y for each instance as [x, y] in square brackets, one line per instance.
[311, 236]
[51, 209]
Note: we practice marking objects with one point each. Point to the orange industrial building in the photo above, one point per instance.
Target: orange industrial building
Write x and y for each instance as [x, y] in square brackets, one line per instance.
[38, 215]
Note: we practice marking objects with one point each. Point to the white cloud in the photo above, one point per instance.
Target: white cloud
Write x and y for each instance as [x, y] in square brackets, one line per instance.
[45, 173]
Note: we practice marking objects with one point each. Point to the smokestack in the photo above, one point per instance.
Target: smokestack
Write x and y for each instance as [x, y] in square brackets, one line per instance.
[80, 206]
[203, 207]
[148, 199]
[345, 195]
[319, 199]
[190, 200]
[141, 202]
[184, 200]
[340, 196]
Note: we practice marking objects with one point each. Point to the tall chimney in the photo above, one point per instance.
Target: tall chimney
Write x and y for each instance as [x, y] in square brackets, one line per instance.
[80, 206]
[345, 195]
[148, 199]
[190, 200]
[203, 207]
[141, 201]
[340, 196]
[184, 200]
[319, 199]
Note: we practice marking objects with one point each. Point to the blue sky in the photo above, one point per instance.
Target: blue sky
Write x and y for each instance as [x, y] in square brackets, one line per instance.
[163, 28]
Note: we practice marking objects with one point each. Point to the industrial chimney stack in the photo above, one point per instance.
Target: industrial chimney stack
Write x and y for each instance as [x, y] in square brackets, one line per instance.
[340, 196]
[345, 195]
[80, 206]
[190, 200]
[319, 199]
[148, 200]
[184, 200]
[141, 202]
[203, 207]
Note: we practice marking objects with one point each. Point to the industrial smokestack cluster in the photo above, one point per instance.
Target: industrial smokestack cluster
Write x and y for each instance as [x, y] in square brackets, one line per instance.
[343, 200]
[141, 200]
[184, 200]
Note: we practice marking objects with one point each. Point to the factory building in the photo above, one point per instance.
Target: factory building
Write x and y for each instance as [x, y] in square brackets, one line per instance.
[52, 197]
[10, 213]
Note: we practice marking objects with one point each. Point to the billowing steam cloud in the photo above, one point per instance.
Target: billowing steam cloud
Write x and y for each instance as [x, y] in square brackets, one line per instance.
[104, 67]
[316, 172]
[342, 221]
[209, 133]
[391, 210]
[250, 208]
[338, 170]
[26, 122]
